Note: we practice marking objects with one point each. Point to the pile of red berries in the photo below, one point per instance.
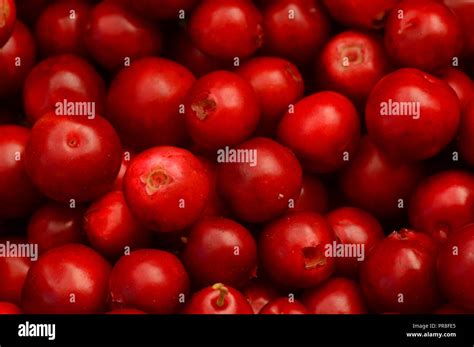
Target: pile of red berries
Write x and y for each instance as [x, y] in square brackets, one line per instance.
[236, 156]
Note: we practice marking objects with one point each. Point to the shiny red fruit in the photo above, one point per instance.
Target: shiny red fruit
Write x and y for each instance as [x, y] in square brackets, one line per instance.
[111, 228]
[166, 188]
[336, 296]
[292, 250]
[60, 27]
[460, 83]
[351, 63]
[466, 134]
[456, 268]
[423, 34]
[295, 29]
[259, 185]
[284, 306]
[218, 299]
[412, 115]
[323, 130]
[278, 84]
[149, 85]
[71, 279]
[58, 79]
[226, 29]
[149, 280]
[115, 36]
[259, 293]
[313, 196]
[360, 13]
[399, 275]
[222, 109]
[220, 250]
[18, 196]
[54, 225]
[9, 308]
[8, 16]
[72, 157]
[443, 203]
[391, 183]
[20, 45]
[353, 228]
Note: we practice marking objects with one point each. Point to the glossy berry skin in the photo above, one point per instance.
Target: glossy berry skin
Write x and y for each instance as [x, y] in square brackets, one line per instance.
[18, 196]
[408, 135]
[353, 226]
[456, 266]
[220, 250]
[292, 250]
[336, 296]
[226, 29]
[460, 82]
[466, 134]
[297, 38]
[259, 293]
[218, 299]
[54, 225]
[13, 272]
[323, 129]
[351, 63]
[149, 280]
[278, 84]
[126, 311]
[399, 274]
[58, 30]
[313, 196]
[111, 228]
[61, 272]
[149, 85]
[360, 13]
[443, 203]
[72, 157]
[9, 308]
[74, 80]
[222, 109]
[114, 33]
[8, 15]
[20, 45]
[166, 188]
[284, 306]
[427, 37]
[260, 192]
[389, 181]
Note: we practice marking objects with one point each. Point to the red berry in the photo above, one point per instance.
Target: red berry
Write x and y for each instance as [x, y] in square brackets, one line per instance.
[222, 109]
[226, 29]
[292, 250]
[218, 299]
[71, 279]
[456, 268]
[149, 280]
[8, 15]
[443, 203]
[466, 134]
[295, 29]
[111, 228]
[115, 35]
[20, 45]
[284, 306]
[391, 183]
[8, 308]
[423, 34]
[59, 28]
[323, 130]
[259, 293]
[278, 84]
[412, 115]
[148, 85]
[354, 228]
[460, 83]
[399, 274]
[166, 188]
[220, 250]
[72, 157]
[313, 196]
[58, 79]
[54, 225]
[336, 296]
[259, 190]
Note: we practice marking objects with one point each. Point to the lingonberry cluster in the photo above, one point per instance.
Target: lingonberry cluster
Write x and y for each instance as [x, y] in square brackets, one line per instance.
[236, 156]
